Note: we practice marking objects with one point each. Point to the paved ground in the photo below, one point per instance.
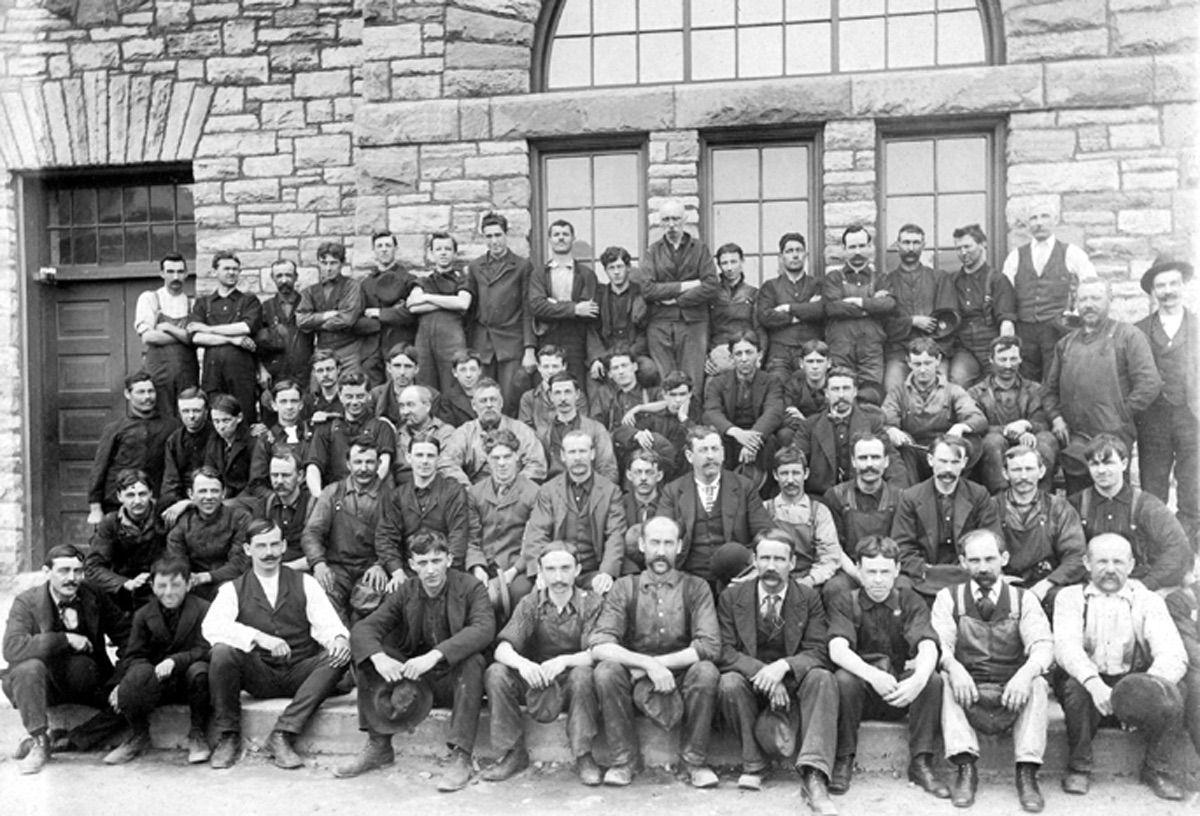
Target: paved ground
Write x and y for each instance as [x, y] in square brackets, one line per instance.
[162, 784]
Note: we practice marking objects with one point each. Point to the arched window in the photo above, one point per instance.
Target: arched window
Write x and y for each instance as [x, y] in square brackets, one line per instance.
[604, 43]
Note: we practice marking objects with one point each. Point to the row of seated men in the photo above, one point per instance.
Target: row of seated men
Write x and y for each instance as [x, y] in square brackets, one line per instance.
[788, 671]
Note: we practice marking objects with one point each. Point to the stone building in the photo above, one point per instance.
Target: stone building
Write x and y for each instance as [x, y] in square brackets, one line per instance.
[131, 127]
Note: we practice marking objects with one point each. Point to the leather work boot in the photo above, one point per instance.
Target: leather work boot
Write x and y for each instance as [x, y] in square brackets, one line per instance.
[589, 771]
[921, 774]
[843, 772]
[130, 749]
[815, 791]
[36, 756]
[458, 774]
[198, 750]
[1163, 786]
[279, 745]
[229, 745]
[1027, 788]
[965, 784]
[512, 763]
[377, 753]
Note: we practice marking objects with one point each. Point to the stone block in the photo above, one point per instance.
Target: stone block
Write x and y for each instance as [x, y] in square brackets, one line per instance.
[1096, 83]
[407, 122]
[1124, 137]
[230, 123]
[208, 192]
[475, 120]
[1040, 145]
[297, 16]
[421, 219]
[1144, 222]
[618, 110]
[142, 48]
[486, 55]
[1058, 16]
[268, 166]
[251, 191]
[482, 82]
[202, 42]
[298, 34]
[347, 56]
[215, 169]
[282, 115]
[310, 84]
[464, 190]
[783, 101]
[1108, 116]
[1156, 31]
[215, 217]
[423, 86]
[387, 169]
[849, 135]
[96, 56]
[1152, 180]
[376, 82]
[441, 169]
[237, 144]
[294, 225]
[417, 65]
[496, 166]
[215, 240]
[237, 70]
[526, 10]
[1059, 177]
[204, 12]
[838, 160]
[291, 59]
[841, 214]
[1088, 42]
[963, 90]
[228, 100]
[391, 42]
[269, 93]
[239, 36]
[322, 151]
[319, 198]
[462, 24]
[172, 14]
[512, 192]
[1175, 78]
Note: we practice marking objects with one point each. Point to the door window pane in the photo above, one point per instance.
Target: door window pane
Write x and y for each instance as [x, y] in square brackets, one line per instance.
[600, 193]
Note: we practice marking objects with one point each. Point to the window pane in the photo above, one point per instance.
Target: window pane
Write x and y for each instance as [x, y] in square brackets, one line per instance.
[84, 209]
[185, 240]
[575, 17]
[162, 203]
[910, 6]
[909, 167]
[614, 15]
[737, 223]
[568, 182]
[83, 244]
[662, 57]
[112, 245]
[735, 175]
[785, 172]
[759, 11]
[903, 210]
[809, 49]
[955, 211]
[960, 38]
[60, 247]
[783, 216]
[962, 164]
[807, 10]
[861, 45]
[616, 60]
[712, 13]
[948, 5]
[137, 245]
[570, 63]
[137, 204]
[760, 51]
[658, 15]
[582, 221]
[617, 227]
[860, 8]
[60, 207]
[183, 203]
[110, 206]
[714, 54]
[162, 241]
[910, 41]
[618, 177]
[752, 266]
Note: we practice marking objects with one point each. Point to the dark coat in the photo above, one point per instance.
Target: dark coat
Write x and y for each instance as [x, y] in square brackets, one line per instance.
[742, 513]
[915, 525]
[150, 641]
[816, 439]
[503, 324]
[804, 630]
[766, 395]
[33, 631]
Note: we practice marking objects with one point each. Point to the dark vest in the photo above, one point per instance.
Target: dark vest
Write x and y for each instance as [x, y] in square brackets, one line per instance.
[771, 645]
[1173, 362]
[288, 620]
[708, 533]
[1043, 298]
[991, 651]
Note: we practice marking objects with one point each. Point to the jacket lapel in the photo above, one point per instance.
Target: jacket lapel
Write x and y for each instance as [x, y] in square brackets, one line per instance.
[729, 503]
[746, 616]
[793, 619]
[927, 508]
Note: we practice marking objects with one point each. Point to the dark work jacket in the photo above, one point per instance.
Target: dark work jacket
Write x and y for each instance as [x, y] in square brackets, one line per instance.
[120, 551]
[804, 630]
[231, 460]
[129, 442]
[766, 397]
[663, 269]
[184, 452]
[816, 439]
[502, 327]
[915, 525]
[742, 513]
[283, 349]
[150, 641]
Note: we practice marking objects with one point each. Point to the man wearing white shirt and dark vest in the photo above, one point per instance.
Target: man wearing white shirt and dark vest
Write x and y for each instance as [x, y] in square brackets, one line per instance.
[1044, 273]
[274, 633]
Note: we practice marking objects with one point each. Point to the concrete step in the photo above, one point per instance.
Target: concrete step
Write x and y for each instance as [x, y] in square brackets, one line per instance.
[883, 747]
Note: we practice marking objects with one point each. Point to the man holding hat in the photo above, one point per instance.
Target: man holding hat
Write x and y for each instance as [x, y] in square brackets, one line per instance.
[996, 645]
[1121, 658]
[775, 672]
[542, 660]
[429, 633]
[1169, 430]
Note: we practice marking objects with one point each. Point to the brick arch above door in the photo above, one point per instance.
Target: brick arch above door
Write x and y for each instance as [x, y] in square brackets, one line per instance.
[102, 119]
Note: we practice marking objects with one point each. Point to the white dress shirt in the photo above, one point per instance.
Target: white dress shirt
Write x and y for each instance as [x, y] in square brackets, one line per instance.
[221, 623]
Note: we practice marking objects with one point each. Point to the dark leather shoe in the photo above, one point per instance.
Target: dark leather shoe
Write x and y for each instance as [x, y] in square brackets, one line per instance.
[816, 792]
[458, 774]
[279, 745]
[965, 785]
[229, 745]
[377, 753]
[129, 750]
[1076, 782]
[843, 772]
[921, 774]
[1162, 785]
[1027, 788]
[511, 764]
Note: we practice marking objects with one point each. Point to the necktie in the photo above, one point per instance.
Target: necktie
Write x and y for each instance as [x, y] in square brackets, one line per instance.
[986, 606]
[709, 498]
[773, 618]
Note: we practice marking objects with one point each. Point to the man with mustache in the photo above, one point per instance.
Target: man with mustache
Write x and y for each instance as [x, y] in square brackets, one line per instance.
[290, 429]
[984, 303]
[773, 658]
[284, 351]
[210, 535]
[1169, 430]
[127, 542]
[1105, 630]
[734, 309]
[329, 308]
[55, 651]
[816, 553]
[386, 321]
[288, 504]
[1044, 274]
[225, 322]
[464, 457]
[1113, 505]
[543, 660]
[918, 291]
[790, 307]
[564, 395]
[826, 437]
[932, 516]
[273, 634]
[1100, 378]
[1042, 533]
[643, 479]
[432, 631]
[402, 369]
[1015, 415]
[863, 506]
[160, 319]
[745, 405]
[856, 304]
[416, 418]
[994, 638]
[184, 452]
[655, 643]
[326, 459]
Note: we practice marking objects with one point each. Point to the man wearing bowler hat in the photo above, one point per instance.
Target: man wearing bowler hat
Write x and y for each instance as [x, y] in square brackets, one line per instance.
[431, 631]
[1169, 430]
[1113, 635]
[996, 647]
[775, 672]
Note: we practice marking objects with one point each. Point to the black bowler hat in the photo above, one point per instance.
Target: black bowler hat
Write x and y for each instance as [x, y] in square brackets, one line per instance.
[1165, 262]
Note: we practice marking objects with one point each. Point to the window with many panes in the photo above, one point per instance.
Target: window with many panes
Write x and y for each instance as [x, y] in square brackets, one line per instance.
[597, 43]
[756, 193]
[940, 182]
[600, 193]
[120, 224]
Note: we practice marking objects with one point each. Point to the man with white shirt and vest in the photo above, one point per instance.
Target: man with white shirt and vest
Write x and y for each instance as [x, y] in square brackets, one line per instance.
[996, 647]
[1044, 274]
[274, 633]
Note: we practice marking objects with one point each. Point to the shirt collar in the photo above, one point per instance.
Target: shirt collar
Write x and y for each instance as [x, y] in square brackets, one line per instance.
[1125, 593]
[892, 601]
[669, 580]
[700, 488]
[781, 594]
[978, 593]
[573, 603]
[372, 490]
[554, 263]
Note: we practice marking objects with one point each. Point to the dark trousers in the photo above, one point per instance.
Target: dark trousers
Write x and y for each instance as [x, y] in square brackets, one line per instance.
[858, 346]
[458, 687]
[857, 699]
[344, 579]
[698, 685]
[781, 359]
[308, 682]
[173, 369]
[35, 685]
[140, 692]
[1083, 719]
[571, 337]
[513, 382]
[1037, 348]
[817, 697]
[1191, 706]
[1169, 437]
[676, 345]
[229, 370]
[506, 690]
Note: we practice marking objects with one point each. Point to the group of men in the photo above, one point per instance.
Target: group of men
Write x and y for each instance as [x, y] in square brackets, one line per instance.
[402, 496]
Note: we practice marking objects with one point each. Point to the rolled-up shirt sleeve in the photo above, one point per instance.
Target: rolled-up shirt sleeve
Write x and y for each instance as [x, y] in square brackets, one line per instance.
[706, 631]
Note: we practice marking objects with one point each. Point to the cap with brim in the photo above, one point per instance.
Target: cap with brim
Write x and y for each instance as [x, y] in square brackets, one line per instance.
[988, 715]
[1165, 263]
[393, 707]
[546, 703]
[1147, 702]
[947, 323]
[666, 710]
[776, 730]
[730, 561]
